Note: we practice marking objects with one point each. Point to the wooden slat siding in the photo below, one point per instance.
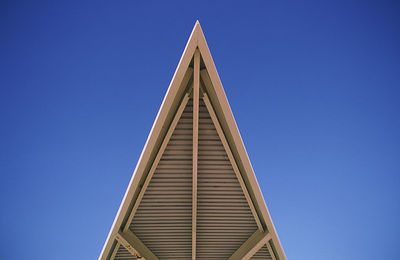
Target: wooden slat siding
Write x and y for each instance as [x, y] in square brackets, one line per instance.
[224, 220]
[158, 157]
[232, 160]
[262, 254]
[123, 254]
[163, 220]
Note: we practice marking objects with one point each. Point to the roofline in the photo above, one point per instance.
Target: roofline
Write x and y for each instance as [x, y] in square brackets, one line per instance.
[158, 130]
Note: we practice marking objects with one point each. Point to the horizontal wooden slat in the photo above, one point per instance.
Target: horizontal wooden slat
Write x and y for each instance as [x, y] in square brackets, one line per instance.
[163, 218]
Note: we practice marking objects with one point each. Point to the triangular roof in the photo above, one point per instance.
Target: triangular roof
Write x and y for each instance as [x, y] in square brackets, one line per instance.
[193, 193]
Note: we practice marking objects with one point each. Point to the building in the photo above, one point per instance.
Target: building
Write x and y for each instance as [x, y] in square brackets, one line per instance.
[193, 194]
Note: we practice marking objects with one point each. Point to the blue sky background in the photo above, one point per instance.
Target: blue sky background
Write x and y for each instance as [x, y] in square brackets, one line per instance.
[314, 87]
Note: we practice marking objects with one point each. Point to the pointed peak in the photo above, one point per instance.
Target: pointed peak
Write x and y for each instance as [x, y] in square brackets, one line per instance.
[197, 26]
[197, 33]
[122, 237]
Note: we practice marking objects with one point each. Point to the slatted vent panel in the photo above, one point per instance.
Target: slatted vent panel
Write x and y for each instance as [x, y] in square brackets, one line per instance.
[224, 220]
[163, 220]
[123, 254]
[262, 254]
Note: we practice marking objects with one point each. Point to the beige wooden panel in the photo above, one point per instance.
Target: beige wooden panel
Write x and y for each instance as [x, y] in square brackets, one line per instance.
[224, 220]
[163, 220]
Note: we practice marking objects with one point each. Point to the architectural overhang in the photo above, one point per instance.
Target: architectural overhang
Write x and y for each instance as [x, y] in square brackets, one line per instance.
[193, 194]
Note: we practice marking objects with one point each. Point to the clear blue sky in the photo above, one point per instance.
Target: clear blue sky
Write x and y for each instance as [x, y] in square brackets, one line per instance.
[314, 87]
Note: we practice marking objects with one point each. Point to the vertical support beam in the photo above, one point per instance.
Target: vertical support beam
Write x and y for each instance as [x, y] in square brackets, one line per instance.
[196, 90]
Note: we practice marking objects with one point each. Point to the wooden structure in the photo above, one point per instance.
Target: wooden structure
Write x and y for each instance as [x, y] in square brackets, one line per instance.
[193, 194]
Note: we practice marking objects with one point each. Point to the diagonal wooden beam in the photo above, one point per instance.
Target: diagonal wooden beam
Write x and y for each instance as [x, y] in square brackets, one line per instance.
[135, 246]
[232, 160]
[251, 246]
[115, 250]
[157, 159]
[270, 250]
[196, 91]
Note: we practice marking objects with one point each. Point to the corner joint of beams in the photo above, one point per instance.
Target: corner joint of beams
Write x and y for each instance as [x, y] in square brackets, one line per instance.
[251, 246]
[135, 246]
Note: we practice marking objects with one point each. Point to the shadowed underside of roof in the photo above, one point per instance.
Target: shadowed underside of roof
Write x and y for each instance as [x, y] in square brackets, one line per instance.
[224, 219]
[163, 220]
[194, 194]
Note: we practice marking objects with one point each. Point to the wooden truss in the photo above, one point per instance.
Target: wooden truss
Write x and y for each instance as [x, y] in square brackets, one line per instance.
[195, 79]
